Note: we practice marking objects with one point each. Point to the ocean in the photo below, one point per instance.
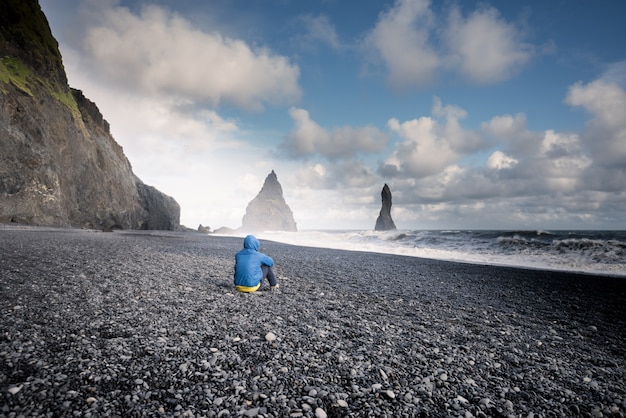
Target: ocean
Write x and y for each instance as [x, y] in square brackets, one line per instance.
[594, 252]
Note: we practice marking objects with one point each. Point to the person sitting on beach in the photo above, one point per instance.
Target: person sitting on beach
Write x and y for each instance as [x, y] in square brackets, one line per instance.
[252, 266]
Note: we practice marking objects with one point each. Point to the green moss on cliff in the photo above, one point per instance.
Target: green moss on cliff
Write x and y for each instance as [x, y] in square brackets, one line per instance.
[25, 34]
[13, 71]
[29, 55]
[67, 99]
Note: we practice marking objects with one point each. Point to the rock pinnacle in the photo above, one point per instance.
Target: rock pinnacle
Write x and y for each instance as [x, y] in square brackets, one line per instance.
[268, 211]
[384, 221]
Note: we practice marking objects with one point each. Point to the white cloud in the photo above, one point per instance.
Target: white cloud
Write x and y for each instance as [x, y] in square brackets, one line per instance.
[308, 138]
[513, 131]
[448, 111]
[604, 136]
[505, 125]
[605, 133]
[353, 174]
[315, 176]
[219, 123]
[604, 100]
[500, 161]
[485, 47]
[145, 124]
[615, 73]
[415, 45]
[401, 40]
[340, 195]
[428, 146]
[423, 151]
[536, 162]
[318, 29]
[159, 52]
[530, 177]
[563, 161]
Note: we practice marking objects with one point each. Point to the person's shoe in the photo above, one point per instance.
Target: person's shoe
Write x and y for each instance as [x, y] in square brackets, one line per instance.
[274, 287]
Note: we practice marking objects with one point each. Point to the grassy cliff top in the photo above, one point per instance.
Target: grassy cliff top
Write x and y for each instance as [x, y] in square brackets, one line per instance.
[29, 53]
[25, 36]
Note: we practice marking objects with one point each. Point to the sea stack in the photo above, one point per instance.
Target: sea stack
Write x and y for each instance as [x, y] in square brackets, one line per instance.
[268, 211]
[384, 221]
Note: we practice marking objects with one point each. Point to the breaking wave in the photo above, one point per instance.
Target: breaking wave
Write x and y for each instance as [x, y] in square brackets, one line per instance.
[595, 252]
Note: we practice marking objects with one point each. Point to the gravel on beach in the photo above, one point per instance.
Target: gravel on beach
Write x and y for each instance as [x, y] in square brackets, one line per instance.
[130, 324]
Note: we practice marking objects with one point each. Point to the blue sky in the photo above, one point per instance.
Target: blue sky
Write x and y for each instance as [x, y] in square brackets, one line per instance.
[490, 114]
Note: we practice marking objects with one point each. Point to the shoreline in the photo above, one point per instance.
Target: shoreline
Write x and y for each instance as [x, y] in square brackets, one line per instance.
[360, 240]
[269, 238]
[130, 322]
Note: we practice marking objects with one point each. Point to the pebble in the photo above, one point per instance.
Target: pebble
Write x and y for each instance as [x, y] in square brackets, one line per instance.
[508, 405]
[320, 413]
[252, 412]
[15, 389]
[408, 345]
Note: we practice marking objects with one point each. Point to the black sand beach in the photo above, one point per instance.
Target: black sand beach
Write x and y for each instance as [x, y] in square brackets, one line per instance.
[148, 324]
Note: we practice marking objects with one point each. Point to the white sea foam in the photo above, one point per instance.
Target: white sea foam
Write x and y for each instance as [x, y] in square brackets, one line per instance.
[595, 252]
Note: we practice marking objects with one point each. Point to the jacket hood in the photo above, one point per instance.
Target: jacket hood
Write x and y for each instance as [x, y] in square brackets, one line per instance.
[251, 242]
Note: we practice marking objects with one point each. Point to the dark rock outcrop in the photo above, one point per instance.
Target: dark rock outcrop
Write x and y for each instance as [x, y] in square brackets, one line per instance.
[160, 211]
[384, 221]
[59, 164]
[268, 211]
[224, 230]
[204, 229]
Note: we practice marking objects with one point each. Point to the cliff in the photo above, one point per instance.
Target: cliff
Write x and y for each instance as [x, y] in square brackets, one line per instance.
[59, 164]
[268, 211]
[384, 222]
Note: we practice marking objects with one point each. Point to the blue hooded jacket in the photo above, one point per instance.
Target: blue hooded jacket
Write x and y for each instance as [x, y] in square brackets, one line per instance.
[248, 263]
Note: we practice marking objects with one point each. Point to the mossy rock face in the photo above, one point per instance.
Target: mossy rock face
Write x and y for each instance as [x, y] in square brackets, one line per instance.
[29, 54]
[59, 164]
[13, 71]
[25, 35]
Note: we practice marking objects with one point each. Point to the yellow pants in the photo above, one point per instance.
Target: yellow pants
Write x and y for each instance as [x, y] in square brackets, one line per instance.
[247, 289]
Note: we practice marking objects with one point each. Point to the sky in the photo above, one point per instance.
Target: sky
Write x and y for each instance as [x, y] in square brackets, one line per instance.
[478, 114]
